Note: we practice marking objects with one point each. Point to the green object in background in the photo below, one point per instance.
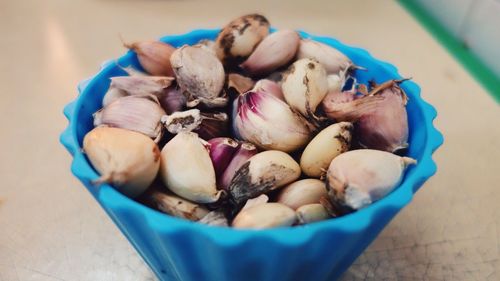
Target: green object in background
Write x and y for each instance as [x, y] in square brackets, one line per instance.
[471, 62]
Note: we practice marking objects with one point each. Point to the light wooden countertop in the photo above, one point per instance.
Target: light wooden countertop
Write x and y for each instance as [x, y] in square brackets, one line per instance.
[52, 229]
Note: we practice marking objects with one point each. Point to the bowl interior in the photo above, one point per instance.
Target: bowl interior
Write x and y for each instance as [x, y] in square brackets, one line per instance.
[420, 124]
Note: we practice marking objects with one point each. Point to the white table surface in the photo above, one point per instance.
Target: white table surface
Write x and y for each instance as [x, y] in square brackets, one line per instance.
[52, 229]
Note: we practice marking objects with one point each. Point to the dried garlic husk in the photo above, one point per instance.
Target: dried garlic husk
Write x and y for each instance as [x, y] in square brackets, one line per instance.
[275, 51]
[206, 125]
[244, 152]
[154, 56]
[176, 206]
[238, 39]
[266, 215]
[263, 172]
[357, 178]
[186, 168]
[304, 86]
[332, 59]
[126, 159]
[241, 84]
[346, 106]
[311, 213]
[302, 192]
[324, 147]
[137, 113]
[141, 85]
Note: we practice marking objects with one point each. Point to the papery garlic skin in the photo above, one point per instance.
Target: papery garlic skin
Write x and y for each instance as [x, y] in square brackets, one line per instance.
[137, 113]
[311, 213]
[302, 192]
[238, 39]
[324, 147]
[215, 218]
[346, 106]
[176, 206]
[141, 85]
[126, 159]
[332, 59]
[198, 72]
[187, 170]
[305, 85]
[269, 123]
[263, 216]
[241, 84]
[154, 56]
[263, 172]
[275, 51]
[245, 151]
[357, 178]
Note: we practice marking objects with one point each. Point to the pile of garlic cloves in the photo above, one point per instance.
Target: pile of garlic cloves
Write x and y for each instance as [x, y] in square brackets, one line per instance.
[251, 130]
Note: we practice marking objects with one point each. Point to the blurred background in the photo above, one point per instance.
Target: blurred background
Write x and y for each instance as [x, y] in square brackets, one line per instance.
[52, 229]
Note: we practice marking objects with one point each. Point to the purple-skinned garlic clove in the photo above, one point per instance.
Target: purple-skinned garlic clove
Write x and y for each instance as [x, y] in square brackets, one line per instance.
[245, 151]
[222, 151]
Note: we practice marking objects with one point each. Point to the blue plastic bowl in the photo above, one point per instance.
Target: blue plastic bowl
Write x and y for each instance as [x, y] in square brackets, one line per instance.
[177, 249]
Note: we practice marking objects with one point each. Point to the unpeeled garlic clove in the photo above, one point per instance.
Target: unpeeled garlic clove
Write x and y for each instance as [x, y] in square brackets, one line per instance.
[269, 87]
[336, 81]
[126, 159]
[311, 213]
[113, 94]
[208, 45]
[266, 215]
[275, 51]
[304, 86]
[302, 192]
[238, 39]
[172, 100]
[141, 85]
[175, 206]
[324, 147]
[215, 218]
[154, 56]
[259, 200]
[269, 123]
[263, 172]
[200, 74]
[357, 178]
[245, 151]
[346, 106]
[386, 126]
[332, 59]
[221, 152]
[137, 113]
[186, 168]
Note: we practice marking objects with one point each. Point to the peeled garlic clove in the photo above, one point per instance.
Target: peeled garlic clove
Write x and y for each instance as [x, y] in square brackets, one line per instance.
[324, 147]
[238, 39]
[305, 85]
[269, 123]
[154, 56]
[245, 151]
[275, 51]
[239, 83]
[137, 113]
[346, 106]
[302, 192]
[311, 213]
[259, 200]
[172, 100]
[186, 169]
[113, 94]
[213, 125]
[221, 152]
[128, 160]
[386, 126]
[269, 87]
[332, 59]
[263, 172]
[198, 72]
[141, 85]
[266, 215]
[215, 218]
[176, 206]
[357, 178]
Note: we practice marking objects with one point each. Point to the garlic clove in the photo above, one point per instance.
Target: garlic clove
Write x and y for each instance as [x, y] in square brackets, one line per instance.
[208, 45]
[269, 123]
[269, 87]
[302, 192]
[175, 206]
[172, 100]
[113, 94]
[239, 83]
[128, 160]
[259, 200]
[238, 39]
[199, 73]
[275, 51]
[154, 56]
[324, 147]
[386, 126]
[245, 151]
[336, 81]
[332, 59]
[137, 113]
[221, 152]
[304, 86]
[357, 178]
[186, 169]
[215, 218]
[346, 106]
[266, 215]
[311, 213]
[141, 85]
[263, 172]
